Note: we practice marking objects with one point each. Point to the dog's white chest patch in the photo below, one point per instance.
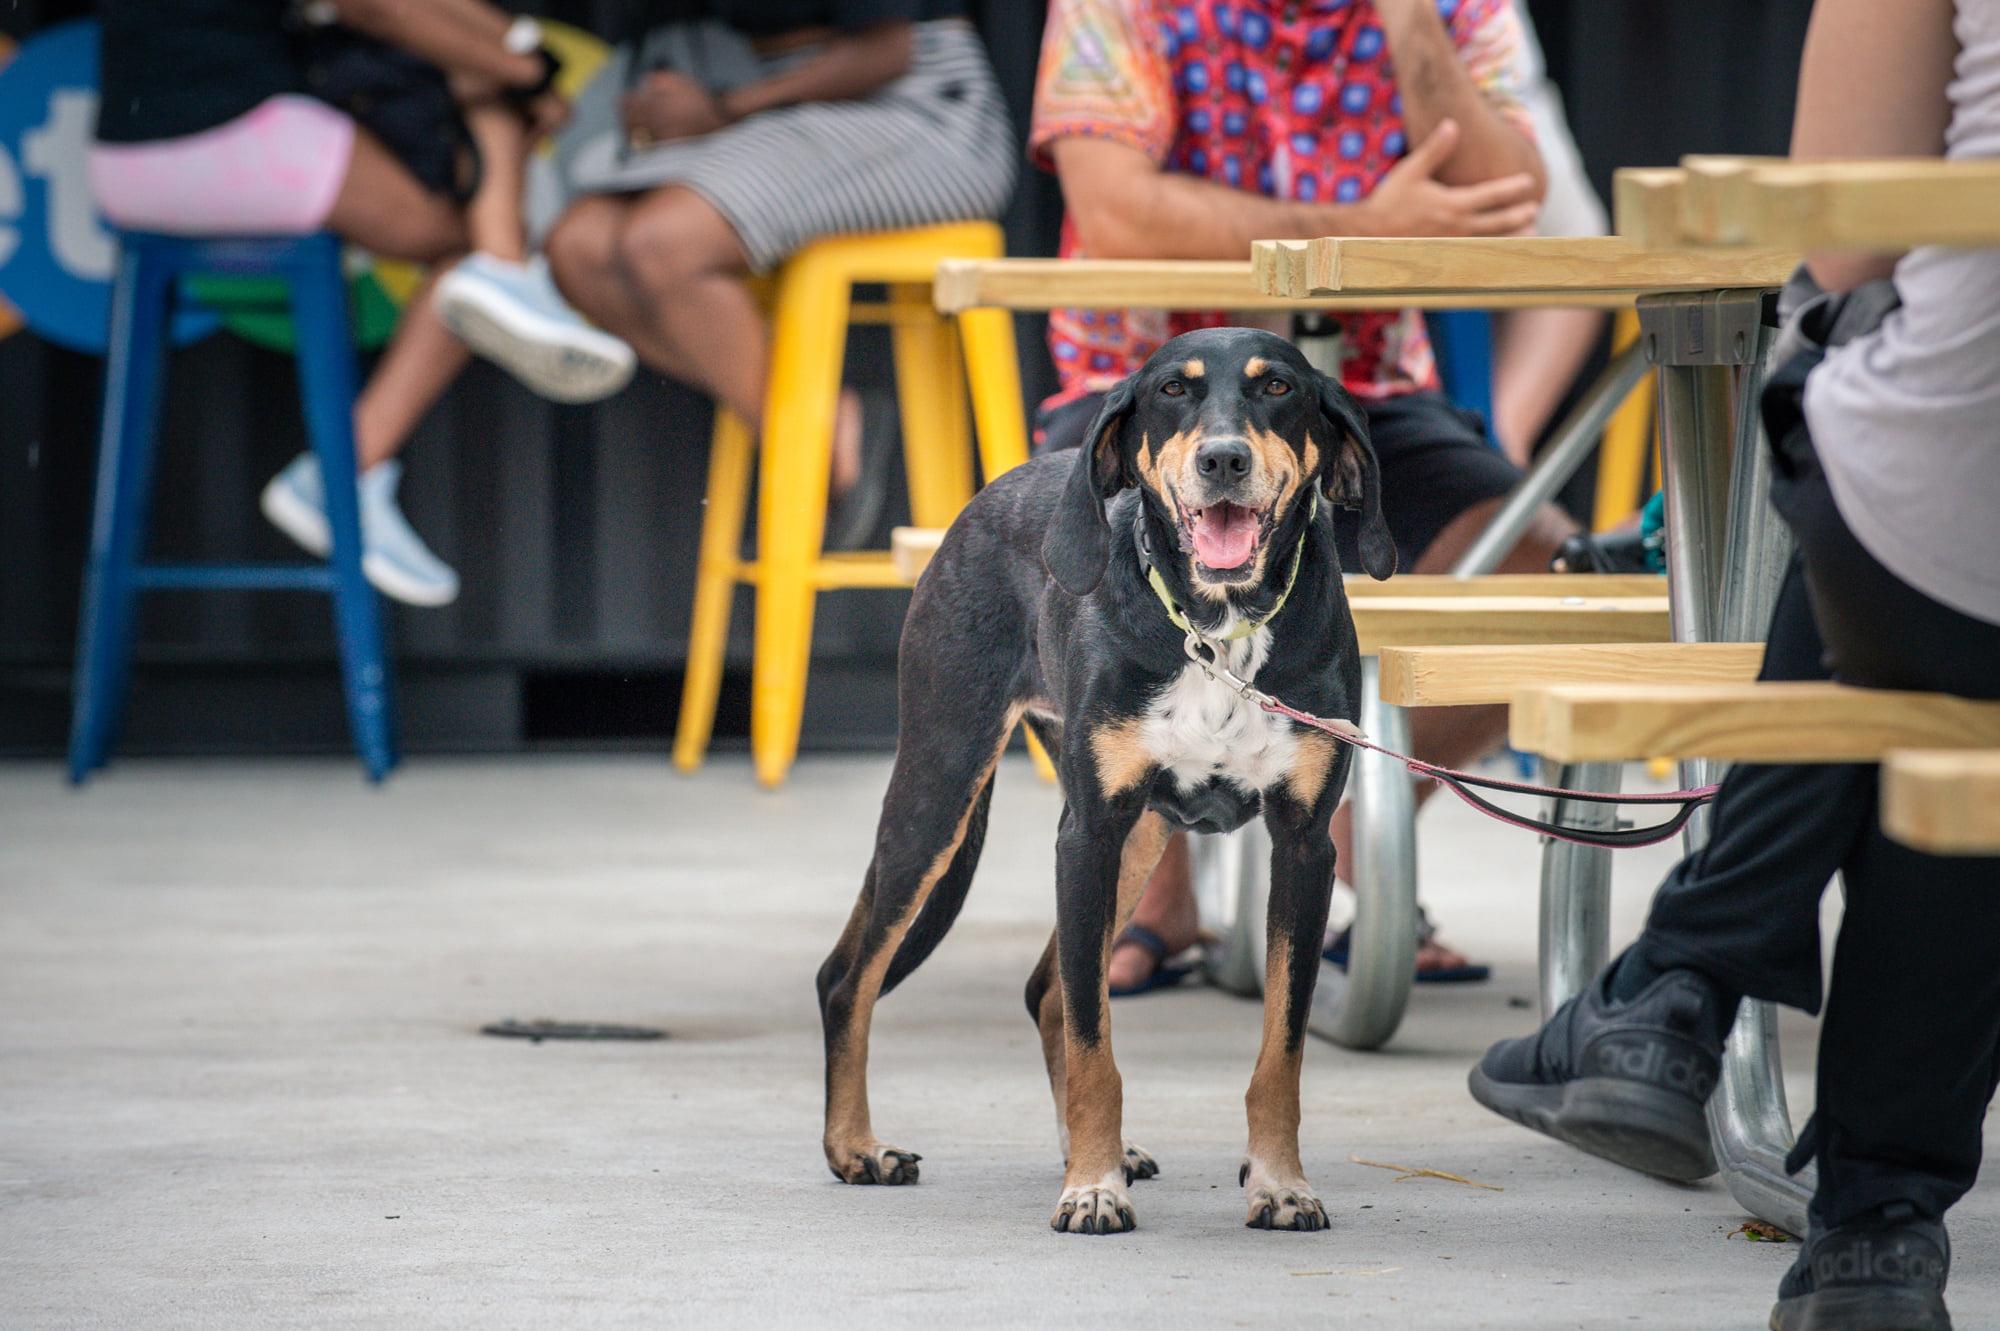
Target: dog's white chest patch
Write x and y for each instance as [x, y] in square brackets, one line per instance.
[1200, 729]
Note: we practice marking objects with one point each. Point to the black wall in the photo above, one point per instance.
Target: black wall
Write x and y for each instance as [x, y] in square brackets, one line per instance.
[575, 528]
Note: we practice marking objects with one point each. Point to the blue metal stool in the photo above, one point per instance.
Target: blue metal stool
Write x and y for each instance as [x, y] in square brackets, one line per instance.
[150, 268]
[1463, 343]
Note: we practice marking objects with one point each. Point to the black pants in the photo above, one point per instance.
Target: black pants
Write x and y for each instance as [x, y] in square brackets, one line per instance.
[1910, 1047]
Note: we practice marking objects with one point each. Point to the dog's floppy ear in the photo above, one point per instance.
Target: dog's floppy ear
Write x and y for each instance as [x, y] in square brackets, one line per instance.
[1077, 546]
[1351, 479]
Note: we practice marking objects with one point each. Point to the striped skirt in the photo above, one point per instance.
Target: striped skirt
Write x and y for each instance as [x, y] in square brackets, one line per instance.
[933, 146]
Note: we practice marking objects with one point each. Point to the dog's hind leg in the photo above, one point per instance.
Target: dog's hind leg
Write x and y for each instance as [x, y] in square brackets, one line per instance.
[933, 819]
[1302, 858]
[1090, 1094]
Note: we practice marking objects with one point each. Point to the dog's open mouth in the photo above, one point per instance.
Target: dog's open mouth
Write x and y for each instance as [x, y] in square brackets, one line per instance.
[1224, 536]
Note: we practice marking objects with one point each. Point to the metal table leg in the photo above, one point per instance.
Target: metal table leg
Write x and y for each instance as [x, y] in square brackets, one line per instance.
[1576, 886]
[1232, 879]
[1726, 556]
[1361, 1006]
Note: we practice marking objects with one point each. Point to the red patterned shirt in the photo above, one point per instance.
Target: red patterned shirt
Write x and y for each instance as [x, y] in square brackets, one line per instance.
[1290, 100]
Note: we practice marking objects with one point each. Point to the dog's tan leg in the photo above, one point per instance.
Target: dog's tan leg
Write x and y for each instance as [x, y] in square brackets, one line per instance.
[852, 980]
[1273, 1180]
[1089, 1090]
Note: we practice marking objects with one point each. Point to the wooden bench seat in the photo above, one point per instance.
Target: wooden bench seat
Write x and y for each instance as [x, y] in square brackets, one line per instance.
[1456, 676]
[1774, 203]
[1808, 722]
[1946, 802]
[1503, 270]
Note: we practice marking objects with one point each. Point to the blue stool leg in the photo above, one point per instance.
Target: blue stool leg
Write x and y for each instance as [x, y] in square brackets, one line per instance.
[141, 303]
[1463, 341]
[327, 383]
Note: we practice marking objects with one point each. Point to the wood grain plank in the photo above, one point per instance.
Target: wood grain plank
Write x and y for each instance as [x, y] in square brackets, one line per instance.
[1435, 621]
[1456, 676]
[1812, 722]
[1941, 801]
[1544, 267]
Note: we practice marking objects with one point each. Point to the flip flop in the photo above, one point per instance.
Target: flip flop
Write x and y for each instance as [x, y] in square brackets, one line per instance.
[1469, 973]
[1162, 976]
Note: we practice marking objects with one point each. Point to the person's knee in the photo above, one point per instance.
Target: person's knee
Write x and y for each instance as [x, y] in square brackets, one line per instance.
[581, 250]
[673, 238]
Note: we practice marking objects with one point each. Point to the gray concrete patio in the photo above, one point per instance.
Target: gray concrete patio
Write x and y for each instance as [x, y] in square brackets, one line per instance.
[241, 1084]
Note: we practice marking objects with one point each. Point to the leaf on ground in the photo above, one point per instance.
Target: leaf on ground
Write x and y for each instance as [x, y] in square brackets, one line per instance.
[1756, 1231]
[1403, 1172]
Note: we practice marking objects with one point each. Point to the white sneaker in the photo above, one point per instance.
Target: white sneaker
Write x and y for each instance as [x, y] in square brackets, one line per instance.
[393, 557]
[512, 314]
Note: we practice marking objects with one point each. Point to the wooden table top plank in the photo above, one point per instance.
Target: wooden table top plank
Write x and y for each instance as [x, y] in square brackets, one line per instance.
[1779, 204]
[1457, 676]
[1435, 621]
[1943, 801]
[1803, 722]
[1545, 267]
[1194, 284]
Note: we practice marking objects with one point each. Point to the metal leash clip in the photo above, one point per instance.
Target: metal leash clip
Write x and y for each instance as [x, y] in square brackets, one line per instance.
[1209, 657]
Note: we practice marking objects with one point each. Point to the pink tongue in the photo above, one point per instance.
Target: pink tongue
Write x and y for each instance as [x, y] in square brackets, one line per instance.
[1225, 536]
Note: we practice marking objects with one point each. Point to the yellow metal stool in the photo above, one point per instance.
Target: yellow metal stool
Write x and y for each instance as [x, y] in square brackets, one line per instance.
[812, 309]
[1628, 443]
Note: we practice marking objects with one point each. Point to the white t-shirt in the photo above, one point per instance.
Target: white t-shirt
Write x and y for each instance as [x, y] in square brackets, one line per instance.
[1906, 420]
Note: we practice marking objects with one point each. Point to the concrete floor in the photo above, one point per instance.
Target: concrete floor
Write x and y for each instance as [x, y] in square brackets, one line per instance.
[241, 1085]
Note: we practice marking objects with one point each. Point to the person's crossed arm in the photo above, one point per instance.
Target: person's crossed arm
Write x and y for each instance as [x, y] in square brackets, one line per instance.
[1470, 174]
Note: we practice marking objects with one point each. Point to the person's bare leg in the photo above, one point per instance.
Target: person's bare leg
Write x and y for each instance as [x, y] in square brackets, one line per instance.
[1537, 354]
[421, 361]
[583, 258]
[1167, 907]
[493, 217]
[382, 208]
[687, 264]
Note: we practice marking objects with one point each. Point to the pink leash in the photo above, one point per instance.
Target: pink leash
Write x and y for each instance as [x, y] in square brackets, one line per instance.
[1461, 783]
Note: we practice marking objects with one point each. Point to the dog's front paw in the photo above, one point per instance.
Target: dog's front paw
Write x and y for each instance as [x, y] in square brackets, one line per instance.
[1281, 1204]
[1138, 1164]
[1094, 1208]
[871, 1162]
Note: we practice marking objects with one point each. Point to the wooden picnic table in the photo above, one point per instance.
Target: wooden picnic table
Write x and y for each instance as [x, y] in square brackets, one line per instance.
[1773, 202]
[1498, 271]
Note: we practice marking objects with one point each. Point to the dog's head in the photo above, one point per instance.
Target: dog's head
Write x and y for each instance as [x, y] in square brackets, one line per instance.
[1224, 432]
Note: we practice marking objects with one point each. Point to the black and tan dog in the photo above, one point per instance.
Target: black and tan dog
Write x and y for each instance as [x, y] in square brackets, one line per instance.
[1054, 599]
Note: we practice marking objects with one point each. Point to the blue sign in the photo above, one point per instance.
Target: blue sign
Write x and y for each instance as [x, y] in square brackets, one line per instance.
[56, 252]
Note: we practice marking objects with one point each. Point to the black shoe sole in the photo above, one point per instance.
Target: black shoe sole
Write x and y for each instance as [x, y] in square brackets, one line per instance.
[1862, 1308]
[1629, 1123]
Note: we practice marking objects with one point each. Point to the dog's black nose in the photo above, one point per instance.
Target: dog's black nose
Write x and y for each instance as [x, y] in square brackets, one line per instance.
[1223, 459]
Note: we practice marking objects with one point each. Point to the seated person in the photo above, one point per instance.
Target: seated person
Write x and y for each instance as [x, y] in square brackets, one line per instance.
[742, 138]
[1187, 132]
[1880, 422]
[206, 127]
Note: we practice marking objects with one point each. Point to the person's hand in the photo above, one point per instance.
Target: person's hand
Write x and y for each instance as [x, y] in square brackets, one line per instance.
[667, 106]
[547, 113]
[1412, 201]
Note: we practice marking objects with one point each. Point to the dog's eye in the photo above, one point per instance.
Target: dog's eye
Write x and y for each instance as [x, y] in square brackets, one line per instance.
[1277, 387]
[1173, 388]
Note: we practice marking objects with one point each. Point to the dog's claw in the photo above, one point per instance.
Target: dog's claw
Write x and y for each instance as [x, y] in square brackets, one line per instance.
[1138, 1164]
[1093, 1209]
[1293, 1208]
[878, 1164]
